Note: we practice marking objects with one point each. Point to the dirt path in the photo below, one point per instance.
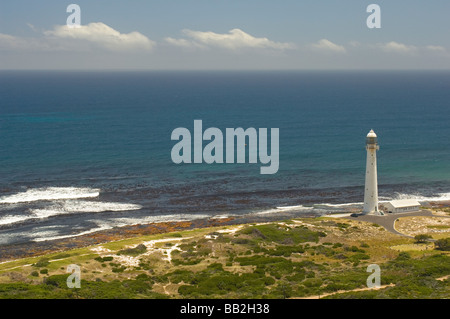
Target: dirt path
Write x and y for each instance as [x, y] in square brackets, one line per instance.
[443, 278]
[344, 291]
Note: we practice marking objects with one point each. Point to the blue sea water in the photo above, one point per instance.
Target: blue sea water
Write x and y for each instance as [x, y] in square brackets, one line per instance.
[84, 151]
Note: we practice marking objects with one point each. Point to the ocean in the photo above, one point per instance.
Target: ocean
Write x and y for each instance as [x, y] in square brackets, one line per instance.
[88, 151]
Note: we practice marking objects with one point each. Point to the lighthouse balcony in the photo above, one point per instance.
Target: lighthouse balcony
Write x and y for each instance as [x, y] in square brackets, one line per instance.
[372, 147]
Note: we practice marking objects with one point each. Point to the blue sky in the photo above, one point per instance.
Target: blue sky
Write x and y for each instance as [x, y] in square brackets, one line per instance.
[197, 34]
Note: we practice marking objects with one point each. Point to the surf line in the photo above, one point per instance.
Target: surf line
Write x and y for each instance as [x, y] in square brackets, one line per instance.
[235, 142]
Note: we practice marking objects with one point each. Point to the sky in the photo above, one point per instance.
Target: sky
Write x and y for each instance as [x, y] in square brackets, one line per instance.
[224, 35]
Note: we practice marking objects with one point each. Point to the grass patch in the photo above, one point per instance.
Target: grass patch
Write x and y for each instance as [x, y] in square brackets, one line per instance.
[282, 234]
[104, 259]
[136, 251]
[438, 226]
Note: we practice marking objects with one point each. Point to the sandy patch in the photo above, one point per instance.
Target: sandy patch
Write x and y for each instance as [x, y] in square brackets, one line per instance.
[230, 230]
[413, 226]
[134, 261]
[441, 213]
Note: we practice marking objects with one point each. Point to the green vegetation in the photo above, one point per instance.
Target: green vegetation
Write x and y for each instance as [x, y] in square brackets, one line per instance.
[214, 280]
[139, 249]
[422, 238]
[282, 234]
[273, 260]
[42, 263]
[56, 287]
[104, 259]
[443, 244]
[438, 226]
[413, 278]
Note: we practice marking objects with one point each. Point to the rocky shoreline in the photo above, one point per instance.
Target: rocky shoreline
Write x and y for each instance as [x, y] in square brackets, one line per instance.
[32, 249]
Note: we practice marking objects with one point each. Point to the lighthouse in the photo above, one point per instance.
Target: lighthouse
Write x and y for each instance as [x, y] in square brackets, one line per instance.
[371, 186]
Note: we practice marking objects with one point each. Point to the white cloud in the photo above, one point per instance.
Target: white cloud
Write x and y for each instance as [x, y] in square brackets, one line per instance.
[437, 49]
[83, 38]
[325, 45]
[184, 43]
[12, 43]
[396, 47]
[234, 40]
[103, 36]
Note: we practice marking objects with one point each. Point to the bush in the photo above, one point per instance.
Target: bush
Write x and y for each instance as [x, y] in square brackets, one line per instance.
[43, 271]
[186, 290]
[422, 238]
[403, 256]
[186, 262]
[354, 249]
[139, 249]
[177, 235]
[118, 269]
[41, 263]
[285, 251]
[35, 274]
[144, 277]
[103, 259]
[56, 281]
[443, 244]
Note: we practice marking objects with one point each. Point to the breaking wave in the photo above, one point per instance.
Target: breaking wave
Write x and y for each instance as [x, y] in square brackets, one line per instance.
[68, 207]
[423, 198]
[81, 206]
[50, 193]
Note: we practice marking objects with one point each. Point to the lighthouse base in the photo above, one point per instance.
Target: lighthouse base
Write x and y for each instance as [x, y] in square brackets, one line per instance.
[375, 213]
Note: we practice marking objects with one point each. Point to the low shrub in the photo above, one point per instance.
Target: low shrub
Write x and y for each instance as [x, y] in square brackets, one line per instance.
[42, 263]
[139, 249]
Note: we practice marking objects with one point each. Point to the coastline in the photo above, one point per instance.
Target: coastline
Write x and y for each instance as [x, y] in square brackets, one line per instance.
[175, 251]
[33, 249]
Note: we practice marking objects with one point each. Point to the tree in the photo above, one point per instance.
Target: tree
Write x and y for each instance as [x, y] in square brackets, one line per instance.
[443, 244]
[422, 238]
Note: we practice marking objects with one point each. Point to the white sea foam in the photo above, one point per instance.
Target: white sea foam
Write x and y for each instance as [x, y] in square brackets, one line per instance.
[283, 209]
[44, 236]
[222, 216]
[123, 221]
[421, 198]
[10, 219]
[82, 206]
[340, 205]
[69, 207]
[296, 207]
[50, 193]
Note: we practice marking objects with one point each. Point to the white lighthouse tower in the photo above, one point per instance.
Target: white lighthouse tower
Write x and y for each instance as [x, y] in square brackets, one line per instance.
[371, 187]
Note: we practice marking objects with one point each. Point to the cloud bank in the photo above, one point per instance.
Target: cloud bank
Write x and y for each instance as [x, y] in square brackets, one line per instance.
[325, 45]
[234, 40]
[95, 35]
[103, 36]
[97, 45]
[396, 47]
